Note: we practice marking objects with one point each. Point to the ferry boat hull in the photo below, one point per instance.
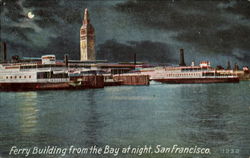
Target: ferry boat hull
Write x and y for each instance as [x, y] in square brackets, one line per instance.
[197, 80]
[43, 86]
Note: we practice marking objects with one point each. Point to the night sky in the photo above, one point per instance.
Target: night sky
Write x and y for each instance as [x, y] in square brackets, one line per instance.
[218, 31]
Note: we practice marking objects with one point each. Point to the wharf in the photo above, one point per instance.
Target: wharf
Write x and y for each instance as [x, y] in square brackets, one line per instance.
[132, 79]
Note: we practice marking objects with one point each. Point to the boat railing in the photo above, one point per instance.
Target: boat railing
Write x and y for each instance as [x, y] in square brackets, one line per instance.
[53, 80]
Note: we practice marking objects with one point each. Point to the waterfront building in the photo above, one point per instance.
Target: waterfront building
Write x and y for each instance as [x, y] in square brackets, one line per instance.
[87, 39]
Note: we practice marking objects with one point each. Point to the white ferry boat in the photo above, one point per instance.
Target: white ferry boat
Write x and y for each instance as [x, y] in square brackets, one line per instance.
[203, 73]
[44, 75]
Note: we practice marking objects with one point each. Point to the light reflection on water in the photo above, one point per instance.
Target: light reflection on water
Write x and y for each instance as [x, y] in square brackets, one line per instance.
[28, 112]
[206, 115]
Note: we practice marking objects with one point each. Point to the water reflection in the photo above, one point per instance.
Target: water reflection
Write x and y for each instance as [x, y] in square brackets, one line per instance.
[204, 117]
[93, 123]
[28, 112]
[19, 119]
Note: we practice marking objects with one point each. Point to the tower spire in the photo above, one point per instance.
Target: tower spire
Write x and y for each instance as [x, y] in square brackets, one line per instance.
[86, 17]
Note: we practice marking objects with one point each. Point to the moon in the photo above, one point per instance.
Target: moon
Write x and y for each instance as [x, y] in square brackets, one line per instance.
[31, 15]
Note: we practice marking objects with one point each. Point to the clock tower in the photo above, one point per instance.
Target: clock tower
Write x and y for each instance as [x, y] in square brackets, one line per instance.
[87, 39]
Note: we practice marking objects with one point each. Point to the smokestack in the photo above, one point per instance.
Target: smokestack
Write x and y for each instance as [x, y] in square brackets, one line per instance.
[66, 60]
[134, 58]
[228, 65]
[236, 67]
[182, 61]
[3, 55]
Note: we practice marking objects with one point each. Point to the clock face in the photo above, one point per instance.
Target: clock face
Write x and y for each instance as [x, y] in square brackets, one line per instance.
[83, 38]
[83, 31]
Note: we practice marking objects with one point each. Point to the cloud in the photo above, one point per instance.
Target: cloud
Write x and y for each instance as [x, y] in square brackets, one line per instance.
[213, 27]
[53, 13]
[146, 51]
[219, 41]
[11, 9]
[240, 7]
[52, 48]
[241, 55]
[46, 33]
[155, 30]
[173, 15]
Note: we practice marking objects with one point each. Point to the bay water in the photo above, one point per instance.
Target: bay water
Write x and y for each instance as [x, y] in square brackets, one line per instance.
[214, 116]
